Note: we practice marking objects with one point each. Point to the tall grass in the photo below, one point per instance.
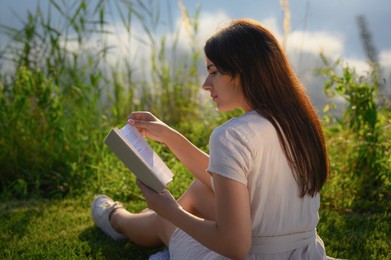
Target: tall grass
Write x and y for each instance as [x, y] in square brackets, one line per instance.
[47, 131]
[63, 96]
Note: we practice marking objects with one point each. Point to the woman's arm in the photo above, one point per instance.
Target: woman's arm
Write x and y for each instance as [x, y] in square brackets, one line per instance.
[192, 157]
[229, 235]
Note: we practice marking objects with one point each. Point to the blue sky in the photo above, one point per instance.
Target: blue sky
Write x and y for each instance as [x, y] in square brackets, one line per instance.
[334, 18]
[315, 25]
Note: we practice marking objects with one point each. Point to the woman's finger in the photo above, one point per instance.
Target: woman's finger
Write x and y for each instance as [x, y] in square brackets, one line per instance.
[142, 115]
[144, 188]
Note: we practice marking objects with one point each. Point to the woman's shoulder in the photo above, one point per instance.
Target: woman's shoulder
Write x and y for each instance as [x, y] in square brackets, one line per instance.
[250, 129]
[246, 123]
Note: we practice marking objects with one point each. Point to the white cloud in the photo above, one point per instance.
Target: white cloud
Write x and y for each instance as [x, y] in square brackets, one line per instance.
[271, 24]
[121, 43]
[385, 58]
[134, 47]
[208, 24]
[211, 22]
[361, 67]
[330, 45]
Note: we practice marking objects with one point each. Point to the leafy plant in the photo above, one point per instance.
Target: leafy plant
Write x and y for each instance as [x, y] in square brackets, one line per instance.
[47, 132]
[60, 96]
[363, 169]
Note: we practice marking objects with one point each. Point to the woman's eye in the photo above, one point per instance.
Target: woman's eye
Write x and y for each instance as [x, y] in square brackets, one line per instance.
[213, 72]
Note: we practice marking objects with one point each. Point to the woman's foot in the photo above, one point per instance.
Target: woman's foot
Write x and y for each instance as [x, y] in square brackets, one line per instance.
[101, 210]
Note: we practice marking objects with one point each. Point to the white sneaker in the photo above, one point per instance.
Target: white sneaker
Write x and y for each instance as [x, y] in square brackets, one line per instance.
[102, 207]
[161, 255]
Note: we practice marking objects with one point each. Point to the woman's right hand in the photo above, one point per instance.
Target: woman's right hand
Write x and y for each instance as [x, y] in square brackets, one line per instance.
[149, 125]
[192, 157]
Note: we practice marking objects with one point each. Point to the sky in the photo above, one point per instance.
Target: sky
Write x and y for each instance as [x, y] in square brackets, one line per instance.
[315, 26]
[330, 26]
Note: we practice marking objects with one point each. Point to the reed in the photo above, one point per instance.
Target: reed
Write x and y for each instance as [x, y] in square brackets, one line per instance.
[63, 94]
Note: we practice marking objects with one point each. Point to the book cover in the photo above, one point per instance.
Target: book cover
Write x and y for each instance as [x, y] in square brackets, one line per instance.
[132, 149]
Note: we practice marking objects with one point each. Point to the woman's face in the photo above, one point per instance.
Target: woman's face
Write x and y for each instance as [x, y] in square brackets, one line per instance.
[224, 90]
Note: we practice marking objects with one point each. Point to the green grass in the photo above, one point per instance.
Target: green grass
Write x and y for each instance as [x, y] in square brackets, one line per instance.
[63, 229]
[350, 235]
[58, 229]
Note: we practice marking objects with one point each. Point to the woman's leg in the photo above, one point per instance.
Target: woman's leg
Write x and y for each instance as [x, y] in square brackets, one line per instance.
[199, 200]
[150, 230]
[145, 228]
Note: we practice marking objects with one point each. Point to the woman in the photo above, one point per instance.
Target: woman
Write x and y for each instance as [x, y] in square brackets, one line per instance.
[256, 196]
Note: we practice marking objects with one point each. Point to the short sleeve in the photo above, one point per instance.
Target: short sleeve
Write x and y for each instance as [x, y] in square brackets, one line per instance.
[229, 153]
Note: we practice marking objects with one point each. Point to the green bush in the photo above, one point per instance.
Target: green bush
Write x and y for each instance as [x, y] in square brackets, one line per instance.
[359, 141]
[51, 118]
[46, 137]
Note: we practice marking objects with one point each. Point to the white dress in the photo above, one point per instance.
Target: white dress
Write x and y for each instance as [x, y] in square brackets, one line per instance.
[247, 149]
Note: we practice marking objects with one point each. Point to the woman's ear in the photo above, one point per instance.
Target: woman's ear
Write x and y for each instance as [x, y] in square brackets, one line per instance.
[236, 81]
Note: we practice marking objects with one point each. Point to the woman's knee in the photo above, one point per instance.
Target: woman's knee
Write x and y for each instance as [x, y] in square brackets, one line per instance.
[198, 199]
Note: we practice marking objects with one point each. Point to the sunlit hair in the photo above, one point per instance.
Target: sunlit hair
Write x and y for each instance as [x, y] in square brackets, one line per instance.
[247, 49]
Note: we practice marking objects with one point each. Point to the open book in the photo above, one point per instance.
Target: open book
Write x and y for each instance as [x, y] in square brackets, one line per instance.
[130, 146]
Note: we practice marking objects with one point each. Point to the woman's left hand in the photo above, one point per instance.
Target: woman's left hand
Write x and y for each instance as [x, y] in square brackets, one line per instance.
[162, 203]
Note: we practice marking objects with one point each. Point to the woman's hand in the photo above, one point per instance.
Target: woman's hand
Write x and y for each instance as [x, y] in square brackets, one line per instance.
[192, 157]
[149, 125]
[162, 203]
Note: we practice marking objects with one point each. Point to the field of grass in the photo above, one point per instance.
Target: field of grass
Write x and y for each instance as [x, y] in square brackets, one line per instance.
[57, 229]
[63, 229]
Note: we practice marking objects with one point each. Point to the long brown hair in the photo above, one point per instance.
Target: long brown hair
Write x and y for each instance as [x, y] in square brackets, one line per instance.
[248, 50]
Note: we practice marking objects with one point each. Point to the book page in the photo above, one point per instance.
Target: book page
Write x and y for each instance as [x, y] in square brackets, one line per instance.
[147, 153]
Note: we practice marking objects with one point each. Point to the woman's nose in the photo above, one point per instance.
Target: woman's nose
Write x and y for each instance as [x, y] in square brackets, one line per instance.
[207, 84]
